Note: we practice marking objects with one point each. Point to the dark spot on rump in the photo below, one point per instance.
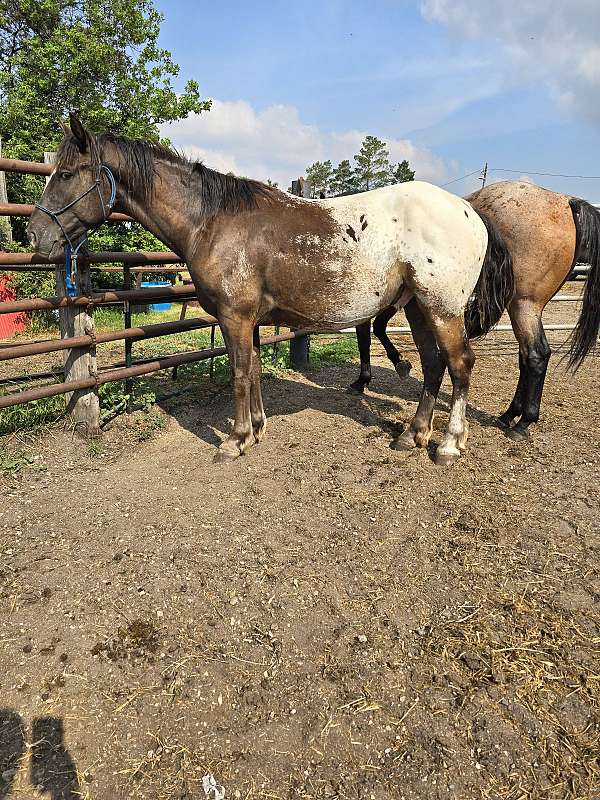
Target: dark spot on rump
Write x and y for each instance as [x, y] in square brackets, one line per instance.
[362, 217]
[377, 293]
[344, 238]
[466, 215]
[430, 260]
[351, 233]
[394, 219]
[364, 225]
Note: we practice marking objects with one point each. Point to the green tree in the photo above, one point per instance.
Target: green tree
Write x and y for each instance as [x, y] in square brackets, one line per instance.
[99, 57]
[343, 178]
[318, 175]
[372, 164]
[401, 173]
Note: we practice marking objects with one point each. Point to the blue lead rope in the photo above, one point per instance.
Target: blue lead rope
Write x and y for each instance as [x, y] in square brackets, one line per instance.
[70, 270]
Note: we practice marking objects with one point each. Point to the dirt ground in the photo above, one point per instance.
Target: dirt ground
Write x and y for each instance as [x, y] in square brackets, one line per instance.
[324, 618]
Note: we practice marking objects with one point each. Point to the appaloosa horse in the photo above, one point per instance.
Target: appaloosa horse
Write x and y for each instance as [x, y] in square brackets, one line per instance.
[546, 234]
[260, 256]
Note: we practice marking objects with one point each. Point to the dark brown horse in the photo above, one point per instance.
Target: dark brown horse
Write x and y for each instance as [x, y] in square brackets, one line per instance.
[546, 233]
[260, 256]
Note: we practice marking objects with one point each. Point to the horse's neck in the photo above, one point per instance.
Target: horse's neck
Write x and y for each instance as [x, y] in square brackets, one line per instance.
[167, 212]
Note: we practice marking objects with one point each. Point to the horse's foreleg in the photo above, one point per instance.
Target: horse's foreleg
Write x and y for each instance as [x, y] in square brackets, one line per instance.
[418, 433]
[257, 411]
[534, 355]
[363, 337]
[401, 365]
[237, 332]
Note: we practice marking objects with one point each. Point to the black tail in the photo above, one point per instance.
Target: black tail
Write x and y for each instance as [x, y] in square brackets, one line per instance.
[495, 287]
[587, 251]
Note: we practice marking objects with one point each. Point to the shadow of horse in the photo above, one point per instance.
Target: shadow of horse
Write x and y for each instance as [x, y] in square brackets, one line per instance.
[324, 390]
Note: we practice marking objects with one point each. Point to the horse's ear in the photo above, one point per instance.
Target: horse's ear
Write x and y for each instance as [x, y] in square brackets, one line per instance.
[78, 132]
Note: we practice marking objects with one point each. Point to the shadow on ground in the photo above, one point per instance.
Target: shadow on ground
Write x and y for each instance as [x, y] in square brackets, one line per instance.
[324, 390]
[51, 769]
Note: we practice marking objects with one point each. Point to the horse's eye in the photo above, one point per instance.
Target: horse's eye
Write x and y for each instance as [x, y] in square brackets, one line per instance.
[65, 176]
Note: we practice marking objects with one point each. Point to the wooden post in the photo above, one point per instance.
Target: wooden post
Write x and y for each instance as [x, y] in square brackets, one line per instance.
[299, 347]
[127, 321]
[5, 229]
[83, 405]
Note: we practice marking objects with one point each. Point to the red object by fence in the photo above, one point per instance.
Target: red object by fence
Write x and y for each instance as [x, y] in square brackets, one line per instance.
[9, 323]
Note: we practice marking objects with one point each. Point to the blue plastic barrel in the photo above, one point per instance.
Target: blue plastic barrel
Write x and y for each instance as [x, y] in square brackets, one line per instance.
[157, 306]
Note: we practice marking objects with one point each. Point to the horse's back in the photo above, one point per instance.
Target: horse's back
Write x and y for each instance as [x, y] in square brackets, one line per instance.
[436, 234]
[538, 228]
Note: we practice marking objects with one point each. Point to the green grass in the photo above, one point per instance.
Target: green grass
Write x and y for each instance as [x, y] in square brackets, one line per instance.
[16, 461]
[31, 416]
[330, 350]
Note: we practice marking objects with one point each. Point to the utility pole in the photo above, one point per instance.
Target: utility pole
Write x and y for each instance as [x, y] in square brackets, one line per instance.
[483, 176]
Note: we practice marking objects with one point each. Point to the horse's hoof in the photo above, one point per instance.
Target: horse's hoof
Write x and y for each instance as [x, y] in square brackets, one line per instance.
[403, 368]
[225, 456]
[403, 443]
[503, 422]
[356, 388]
[446, 458]
[517, 434]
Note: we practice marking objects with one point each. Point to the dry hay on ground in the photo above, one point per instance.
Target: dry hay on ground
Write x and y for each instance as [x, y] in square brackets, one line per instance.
[324, 618]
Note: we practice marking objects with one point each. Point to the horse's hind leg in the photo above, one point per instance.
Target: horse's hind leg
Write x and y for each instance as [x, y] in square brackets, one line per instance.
[363, 337]
[534, 355]
[458, 355]
[515, 409]
[237, 332]
[257, 411]
[418, 433]
[401, 365]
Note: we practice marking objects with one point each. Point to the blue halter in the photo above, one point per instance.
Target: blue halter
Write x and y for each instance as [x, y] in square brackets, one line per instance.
[71, 250]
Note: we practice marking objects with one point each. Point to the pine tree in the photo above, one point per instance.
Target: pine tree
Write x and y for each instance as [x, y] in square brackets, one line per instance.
[318, 175]
[372, 164]
[343, 178]
[401, 172]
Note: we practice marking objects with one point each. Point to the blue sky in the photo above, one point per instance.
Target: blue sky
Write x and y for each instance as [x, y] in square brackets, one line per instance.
[447, 83]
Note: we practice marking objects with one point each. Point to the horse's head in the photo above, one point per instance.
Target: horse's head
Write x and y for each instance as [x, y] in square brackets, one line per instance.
[79, 195]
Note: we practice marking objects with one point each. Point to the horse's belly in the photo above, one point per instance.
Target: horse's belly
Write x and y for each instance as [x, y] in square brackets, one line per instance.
[361, 296]
[343, 293]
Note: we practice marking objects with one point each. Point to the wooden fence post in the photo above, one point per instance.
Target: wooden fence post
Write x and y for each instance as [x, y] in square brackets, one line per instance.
[5, 229]
[300, 346]
[83, 405]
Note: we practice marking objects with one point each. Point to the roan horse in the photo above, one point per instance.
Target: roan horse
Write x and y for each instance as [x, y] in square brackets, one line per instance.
[260, 256]
[546, 234]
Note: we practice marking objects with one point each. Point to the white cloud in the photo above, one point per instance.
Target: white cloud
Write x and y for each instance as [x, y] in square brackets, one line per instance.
[555, 42]
[274, 143]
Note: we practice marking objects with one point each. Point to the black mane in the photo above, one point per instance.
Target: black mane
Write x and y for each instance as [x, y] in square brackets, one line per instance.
[136, 168]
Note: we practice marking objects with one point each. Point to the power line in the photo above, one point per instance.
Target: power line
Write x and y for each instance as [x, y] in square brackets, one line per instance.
[520, 172]
[548, 174]
[454, 180]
